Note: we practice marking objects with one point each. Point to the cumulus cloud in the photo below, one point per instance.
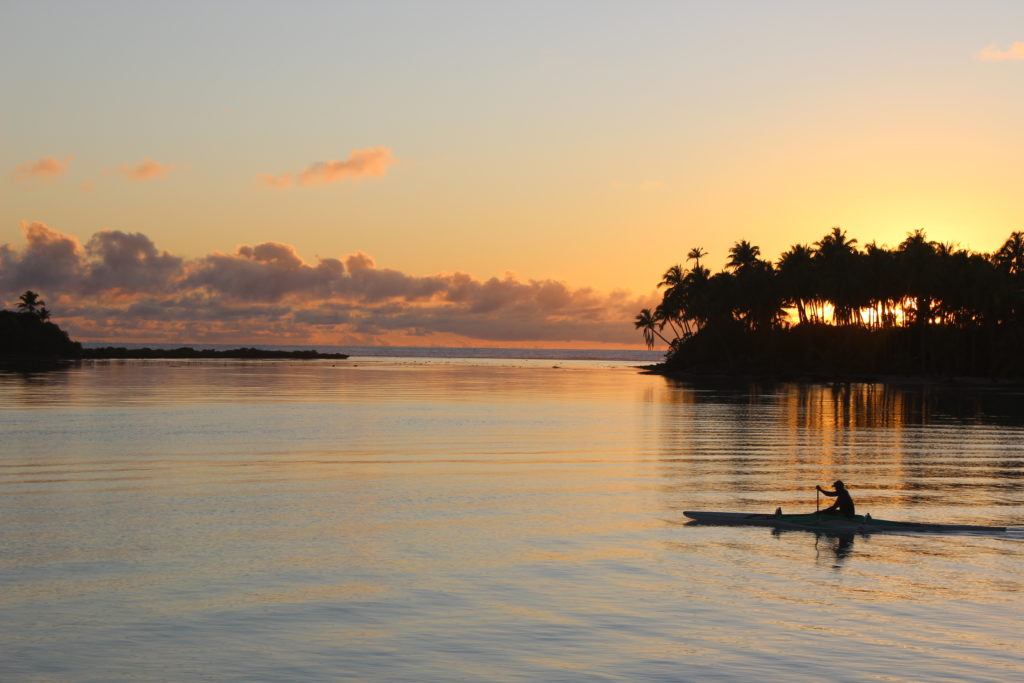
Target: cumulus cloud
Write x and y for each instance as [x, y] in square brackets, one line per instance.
[147, 169]
[121, 286]
[994, 54]
[49, 261]
[44, 169]
[128, 263]
[362, 163]
[266, 272]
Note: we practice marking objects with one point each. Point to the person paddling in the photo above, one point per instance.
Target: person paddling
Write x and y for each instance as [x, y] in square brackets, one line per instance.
[843, 505]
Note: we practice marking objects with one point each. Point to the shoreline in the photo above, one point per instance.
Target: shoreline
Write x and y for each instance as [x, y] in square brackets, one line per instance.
[33, 363]
[823, 378]
[188, 353]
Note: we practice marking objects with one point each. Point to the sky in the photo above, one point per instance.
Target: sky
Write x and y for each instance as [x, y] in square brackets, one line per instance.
[477, 173]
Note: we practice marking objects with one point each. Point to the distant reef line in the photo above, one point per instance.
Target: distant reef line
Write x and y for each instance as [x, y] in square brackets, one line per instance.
[187, 352]
[28, 340]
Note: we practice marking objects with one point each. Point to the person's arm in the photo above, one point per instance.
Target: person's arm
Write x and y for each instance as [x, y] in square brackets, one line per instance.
[832, 494]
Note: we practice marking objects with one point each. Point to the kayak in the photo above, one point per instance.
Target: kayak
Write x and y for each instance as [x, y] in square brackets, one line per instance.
[862, 524]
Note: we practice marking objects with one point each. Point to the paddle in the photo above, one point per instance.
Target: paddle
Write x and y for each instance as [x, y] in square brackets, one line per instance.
[817, 500]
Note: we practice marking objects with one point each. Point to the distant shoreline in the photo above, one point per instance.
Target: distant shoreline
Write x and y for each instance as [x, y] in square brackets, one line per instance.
[187, 352]
[638, 356]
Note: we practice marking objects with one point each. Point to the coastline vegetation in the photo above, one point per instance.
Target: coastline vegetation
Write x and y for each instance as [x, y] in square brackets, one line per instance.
[28, 338]
[30, 341]
[187, 352]
[833, 310]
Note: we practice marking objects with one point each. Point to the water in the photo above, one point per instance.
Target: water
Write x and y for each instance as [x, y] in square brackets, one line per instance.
[495, 519]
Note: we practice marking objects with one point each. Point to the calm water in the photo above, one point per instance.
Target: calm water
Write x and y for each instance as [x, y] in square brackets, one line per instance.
[499, 520]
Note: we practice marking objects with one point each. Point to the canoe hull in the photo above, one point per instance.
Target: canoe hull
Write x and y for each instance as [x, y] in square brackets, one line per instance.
[833, 523]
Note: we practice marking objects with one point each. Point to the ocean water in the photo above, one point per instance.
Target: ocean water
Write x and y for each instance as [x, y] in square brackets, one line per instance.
[496, 519]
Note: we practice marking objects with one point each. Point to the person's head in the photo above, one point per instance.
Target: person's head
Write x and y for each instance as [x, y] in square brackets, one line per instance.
[838, 485]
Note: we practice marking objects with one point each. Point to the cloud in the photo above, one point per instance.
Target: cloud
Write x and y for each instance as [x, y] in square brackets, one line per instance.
[279, 183]
[147, 169]
[120, 286]
[361, 163]
[994, 54]
[268, 272]
[49, 261]
[129, 264]
[46, 168]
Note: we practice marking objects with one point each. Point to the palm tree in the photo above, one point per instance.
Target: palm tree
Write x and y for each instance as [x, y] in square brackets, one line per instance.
[1010, 260]
[668, 312]
[646, 321]
[950, 278]
[835, 255]
[743, 256]
[1010, 256]
[980, 288]
[881, 285]
[695, 255]
[694, 295]
[756, 301]
[29, 302]
[673, 277]
[672, 302]
[796, 279]
[919, 263]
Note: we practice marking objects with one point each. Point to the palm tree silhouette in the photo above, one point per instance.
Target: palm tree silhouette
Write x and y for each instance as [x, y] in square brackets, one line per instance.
[695, 255]
[1010, 260]
[918, 261]
[672, 307]
[795, 270]
[29, 302]
[835, 256]
[743, 256]
[1010, 256]
[651, 327]
[758, 301]
[880, 273]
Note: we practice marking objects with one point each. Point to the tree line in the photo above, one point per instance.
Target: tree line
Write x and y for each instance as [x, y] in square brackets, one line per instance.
[907, 304]
[28, 337]
[29, 341]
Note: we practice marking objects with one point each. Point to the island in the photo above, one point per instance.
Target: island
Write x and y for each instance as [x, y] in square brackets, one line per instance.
[833, 311]
[187, 352]
[29, 340]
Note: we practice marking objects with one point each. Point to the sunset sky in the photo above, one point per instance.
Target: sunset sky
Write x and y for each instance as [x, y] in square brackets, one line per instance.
[477, 173]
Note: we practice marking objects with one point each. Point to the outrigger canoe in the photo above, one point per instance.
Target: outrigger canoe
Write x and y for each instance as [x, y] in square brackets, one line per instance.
[860, 524]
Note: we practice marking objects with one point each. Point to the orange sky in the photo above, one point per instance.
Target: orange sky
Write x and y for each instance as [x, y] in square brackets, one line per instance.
[556, 158]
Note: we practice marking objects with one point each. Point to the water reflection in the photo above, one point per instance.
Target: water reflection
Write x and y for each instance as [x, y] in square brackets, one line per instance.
[852, 405]
[914, 453]
[839, 545]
